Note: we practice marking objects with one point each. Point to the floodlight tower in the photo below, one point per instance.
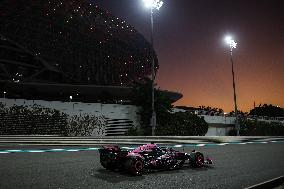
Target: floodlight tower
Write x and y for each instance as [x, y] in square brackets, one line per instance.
[232, 44]
[153, 4]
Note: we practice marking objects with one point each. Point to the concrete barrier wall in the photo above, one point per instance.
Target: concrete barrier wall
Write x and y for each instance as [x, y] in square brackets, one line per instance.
[214, 130]
[117, 118]
[219, 119]
[219, 125]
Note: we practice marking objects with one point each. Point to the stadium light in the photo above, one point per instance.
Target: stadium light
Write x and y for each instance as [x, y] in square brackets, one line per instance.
[232, 44]
[153, 4]
[229, 40]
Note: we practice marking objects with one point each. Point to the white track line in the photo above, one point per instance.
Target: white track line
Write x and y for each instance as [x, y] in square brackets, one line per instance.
[266, 183]
[93, 148]
[128, 148]
[223, 144]
[35, 151]
[57, 149]
[200, 144]
[14, 150]
[178, 145]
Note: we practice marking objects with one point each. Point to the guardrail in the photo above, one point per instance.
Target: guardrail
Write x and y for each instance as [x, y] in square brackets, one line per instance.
[59, 140]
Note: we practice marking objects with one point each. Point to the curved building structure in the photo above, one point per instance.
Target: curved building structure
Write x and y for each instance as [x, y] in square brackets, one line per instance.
[68, 44]
[77, 39]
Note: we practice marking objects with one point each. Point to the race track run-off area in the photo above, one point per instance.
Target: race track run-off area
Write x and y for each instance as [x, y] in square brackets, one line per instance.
[234, 166]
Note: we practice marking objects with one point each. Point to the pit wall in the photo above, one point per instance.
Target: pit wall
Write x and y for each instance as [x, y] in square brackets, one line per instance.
[111, 119]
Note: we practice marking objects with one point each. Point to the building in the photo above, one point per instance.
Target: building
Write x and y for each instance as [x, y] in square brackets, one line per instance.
[71, 51]
[69, 47]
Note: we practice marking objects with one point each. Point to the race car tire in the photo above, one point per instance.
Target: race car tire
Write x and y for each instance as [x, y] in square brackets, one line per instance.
[105, 162]
[135, 166]
[106, 165]
[197, 159]
[180, 164]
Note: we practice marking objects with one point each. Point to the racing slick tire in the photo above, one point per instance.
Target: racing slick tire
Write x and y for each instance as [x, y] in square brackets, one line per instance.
[180, 164]
[197, 159]
[135, 166]
[106, 163]
[107, 166]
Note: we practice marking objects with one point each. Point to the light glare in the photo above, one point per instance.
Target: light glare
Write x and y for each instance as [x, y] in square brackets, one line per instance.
[154, 4]
[229, 40]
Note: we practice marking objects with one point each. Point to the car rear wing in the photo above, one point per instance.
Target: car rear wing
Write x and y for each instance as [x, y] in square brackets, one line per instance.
[112, 152]
[109, 149]
[112, 148]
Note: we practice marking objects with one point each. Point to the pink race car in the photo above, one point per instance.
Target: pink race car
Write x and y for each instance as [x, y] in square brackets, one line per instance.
[148, 157]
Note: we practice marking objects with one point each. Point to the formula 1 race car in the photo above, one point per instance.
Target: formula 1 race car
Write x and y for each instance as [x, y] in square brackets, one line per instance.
[148, 157]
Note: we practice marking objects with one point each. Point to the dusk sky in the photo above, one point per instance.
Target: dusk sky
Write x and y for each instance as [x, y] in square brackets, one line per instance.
[193, 58]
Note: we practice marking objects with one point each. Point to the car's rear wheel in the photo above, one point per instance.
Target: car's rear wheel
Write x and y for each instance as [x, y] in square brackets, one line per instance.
[197, 159]
[180, 163]
[135, 166]
[106, 162]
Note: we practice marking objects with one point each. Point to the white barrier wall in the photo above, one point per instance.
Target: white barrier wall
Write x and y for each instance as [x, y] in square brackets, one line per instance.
[218, 131]
[219, 119]
[219, 125]
[116, 118]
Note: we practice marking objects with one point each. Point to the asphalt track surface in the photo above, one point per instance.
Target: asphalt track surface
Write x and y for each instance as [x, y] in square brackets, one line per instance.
[235, 166]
